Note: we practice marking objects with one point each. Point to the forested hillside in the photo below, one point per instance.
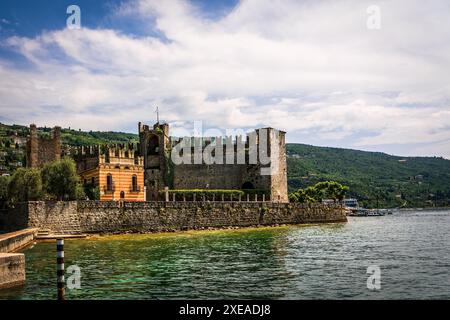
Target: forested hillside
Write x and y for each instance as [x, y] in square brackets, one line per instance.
[395, 181]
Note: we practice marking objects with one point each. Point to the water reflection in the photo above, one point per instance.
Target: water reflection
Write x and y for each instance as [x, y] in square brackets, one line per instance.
[300, 262]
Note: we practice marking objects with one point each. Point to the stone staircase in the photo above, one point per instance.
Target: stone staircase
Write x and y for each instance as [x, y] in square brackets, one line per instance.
[43, 233]
[47, 234]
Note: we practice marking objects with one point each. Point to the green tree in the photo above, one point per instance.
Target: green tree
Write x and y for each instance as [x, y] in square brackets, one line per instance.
[330, 190]
[320, 191]
[25, 185]
[61, 180]
[4, 182]
[92, 191]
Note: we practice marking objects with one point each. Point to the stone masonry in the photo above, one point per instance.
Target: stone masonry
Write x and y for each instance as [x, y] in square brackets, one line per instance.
[77, 217]
[41, 150]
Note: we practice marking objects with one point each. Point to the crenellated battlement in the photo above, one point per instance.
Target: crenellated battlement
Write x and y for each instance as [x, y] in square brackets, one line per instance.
[117, 154]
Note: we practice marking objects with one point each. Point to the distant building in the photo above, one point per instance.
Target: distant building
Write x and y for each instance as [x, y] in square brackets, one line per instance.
[349, 203]
[118, 171]
[20, 141]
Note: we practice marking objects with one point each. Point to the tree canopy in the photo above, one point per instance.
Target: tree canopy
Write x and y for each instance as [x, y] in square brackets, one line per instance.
[320, 191]
[61, 180]
[25, 185]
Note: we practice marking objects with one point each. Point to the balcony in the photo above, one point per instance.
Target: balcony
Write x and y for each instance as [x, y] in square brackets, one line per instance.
[110, 188]
[135, 189]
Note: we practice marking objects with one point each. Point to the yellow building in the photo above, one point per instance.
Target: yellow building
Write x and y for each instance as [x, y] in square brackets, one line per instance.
[117, 171]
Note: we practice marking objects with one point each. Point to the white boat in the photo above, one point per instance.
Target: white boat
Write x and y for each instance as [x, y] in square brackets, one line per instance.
[375, 213]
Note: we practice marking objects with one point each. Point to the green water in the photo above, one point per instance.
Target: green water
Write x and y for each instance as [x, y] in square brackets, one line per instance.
[320, 262]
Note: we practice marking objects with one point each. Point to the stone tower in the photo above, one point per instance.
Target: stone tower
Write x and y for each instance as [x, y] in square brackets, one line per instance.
[41, 150]
[154, 147]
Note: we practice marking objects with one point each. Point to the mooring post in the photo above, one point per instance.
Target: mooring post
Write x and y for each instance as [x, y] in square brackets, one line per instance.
[60, 267]
[240, 195]
[173, 198]
[256, 197]
[264, 197]
[223, 197]
[166, 190]
[248, 197]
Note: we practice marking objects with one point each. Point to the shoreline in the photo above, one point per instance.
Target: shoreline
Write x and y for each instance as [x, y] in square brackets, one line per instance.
[425, 209]
[190, 232]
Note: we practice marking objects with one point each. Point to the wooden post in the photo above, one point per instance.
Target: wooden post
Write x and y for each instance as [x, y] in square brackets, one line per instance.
[214, 197]
[256, 197]
[173, 197]
[264, 197]
[166, 191]
[240, 196]
[194, 197]
[60, 268]
[184, 197]
[223, 197]
[248, 197]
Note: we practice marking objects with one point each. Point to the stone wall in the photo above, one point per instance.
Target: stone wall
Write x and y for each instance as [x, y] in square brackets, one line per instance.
[12, 269]
[14, 241]
[114, 217]
[12, 265]
[216, 176]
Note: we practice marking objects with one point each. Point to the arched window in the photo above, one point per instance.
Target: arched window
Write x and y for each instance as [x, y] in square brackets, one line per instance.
[134, 183]
[109, 182]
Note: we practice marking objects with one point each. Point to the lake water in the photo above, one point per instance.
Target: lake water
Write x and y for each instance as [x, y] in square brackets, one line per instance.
[297, 262]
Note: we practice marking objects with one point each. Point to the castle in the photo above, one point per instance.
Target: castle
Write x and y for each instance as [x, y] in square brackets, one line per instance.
[156, 146]
[139, 173]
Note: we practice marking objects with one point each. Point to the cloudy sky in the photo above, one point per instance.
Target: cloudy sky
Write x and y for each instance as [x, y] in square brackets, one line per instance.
[310, 67]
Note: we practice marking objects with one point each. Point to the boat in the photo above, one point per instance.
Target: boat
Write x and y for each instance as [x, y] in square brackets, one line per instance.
[359, 212]
[375, 213]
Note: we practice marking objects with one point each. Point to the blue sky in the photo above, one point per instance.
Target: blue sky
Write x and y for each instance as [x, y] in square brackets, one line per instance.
[312, 68]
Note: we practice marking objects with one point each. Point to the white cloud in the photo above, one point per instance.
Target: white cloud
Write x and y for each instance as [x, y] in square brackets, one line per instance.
[308, 67]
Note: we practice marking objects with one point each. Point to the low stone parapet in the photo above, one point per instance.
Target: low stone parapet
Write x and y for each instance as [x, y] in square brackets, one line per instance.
[75, 217]
[14, 241]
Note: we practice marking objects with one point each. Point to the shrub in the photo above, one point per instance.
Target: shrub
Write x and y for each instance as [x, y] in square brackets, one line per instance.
[4, 182]
[209, 194]
[92, 191]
